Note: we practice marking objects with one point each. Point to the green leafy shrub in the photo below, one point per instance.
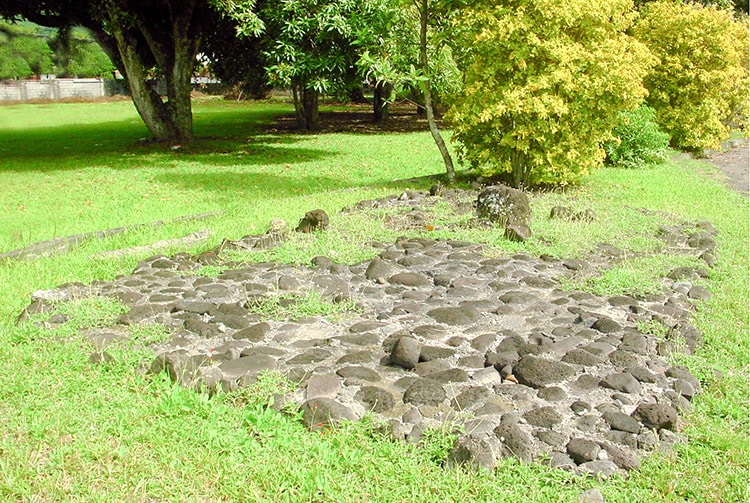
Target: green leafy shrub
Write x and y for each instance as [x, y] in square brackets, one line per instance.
[638, 140]
[544, 82]
[700, 86]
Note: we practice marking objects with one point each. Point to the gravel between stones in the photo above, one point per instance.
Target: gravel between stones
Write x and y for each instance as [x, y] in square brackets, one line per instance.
[445, 335]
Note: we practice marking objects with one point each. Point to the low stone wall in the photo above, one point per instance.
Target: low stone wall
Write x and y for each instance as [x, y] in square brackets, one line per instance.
[24, 90]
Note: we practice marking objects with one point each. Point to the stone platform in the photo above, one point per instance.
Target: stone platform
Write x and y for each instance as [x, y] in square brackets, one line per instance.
[442, 334]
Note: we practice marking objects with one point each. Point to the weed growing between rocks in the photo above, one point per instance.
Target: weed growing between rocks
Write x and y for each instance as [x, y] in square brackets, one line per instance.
[294, 307]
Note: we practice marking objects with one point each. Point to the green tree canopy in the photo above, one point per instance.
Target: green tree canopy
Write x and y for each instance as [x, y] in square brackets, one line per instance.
[544, 82]
[143, 39]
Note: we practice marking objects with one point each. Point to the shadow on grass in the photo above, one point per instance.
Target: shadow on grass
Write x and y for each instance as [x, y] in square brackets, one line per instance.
[248, 186]
[224, 137]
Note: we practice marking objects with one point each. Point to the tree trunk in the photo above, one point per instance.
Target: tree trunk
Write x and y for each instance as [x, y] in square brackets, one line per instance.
[423, 21]
[305, 107]
[174, 54]
[310, 108]
[357, 96]
[381, 96]
[147, 102]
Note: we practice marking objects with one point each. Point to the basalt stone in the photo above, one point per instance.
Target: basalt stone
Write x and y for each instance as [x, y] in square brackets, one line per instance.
[483, 342]
[699, 293]
[541, 341]
[366, 326]
[516, 442]
[642, 374]
[449, 376]
[405, 353]
[471, 397]
[232, 310]
[580, 407]
[178, 365]
[263, 350]
[689, 273]
[657, 416]
[315, 220]
[518, 297]
[552, 394]
[537, 282]
[600, 468]
[312, 356]
[622, 458]
[586, 382]
[621, 422]
[253, 333]
[575, 264]
[606, 325]
[357, 357]
[425, 392]
[583, 450]
[622, 359]
[202, 328]
[552, 438]
[363, 339]
[682, 372]
[622, 381]
[375, 399]
[561, 461]
[684, 388]
[471, 362]
[635, 343]
[320, 413]
[587, 423]
[518, 232]
[476, 452]
[232, 321]
[623, 438]
[539, 372]
[424, 369]
[247, 365]
[409, 279]
[323, 386]
[501, 360]
[544, 417]
[359, 373]
[689, 334]
[428, 353]
[379, 268]
[582, 357]
[503, 205]
[142, 313]
[487, 376]
[455, 316]
[432, 332]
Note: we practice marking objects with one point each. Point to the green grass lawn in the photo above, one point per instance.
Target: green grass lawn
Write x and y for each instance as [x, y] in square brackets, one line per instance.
[73, 431]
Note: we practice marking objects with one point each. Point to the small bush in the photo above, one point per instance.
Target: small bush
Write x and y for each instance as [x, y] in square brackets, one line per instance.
[638, 140]
[699, 89]
[543, 84]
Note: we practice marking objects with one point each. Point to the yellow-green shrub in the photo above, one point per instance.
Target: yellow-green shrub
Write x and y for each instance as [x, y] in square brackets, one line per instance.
[544, 82]
[700, 86]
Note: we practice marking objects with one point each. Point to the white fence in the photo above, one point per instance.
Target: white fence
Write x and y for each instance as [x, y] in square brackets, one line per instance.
[22, 90]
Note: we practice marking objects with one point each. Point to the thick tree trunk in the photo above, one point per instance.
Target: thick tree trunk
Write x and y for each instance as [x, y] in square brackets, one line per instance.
[306, 107]
[447, 160]
[310, 102]
[147, 102]
[174, 54]
[381, 96]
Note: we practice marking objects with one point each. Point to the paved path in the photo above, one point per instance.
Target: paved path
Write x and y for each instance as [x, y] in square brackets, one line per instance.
[735, 164]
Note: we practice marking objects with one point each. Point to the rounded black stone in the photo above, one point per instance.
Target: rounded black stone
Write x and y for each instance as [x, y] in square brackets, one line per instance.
[424, 392]
[375, 399]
